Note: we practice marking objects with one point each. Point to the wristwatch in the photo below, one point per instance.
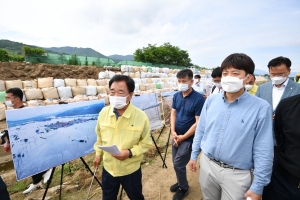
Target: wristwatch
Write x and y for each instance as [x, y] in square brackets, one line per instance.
[130, 153]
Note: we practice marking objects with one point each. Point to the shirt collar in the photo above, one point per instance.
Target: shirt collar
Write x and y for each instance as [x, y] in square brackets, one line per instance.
[188, 94]
[239, 99]
[126, 114]
[283, 85]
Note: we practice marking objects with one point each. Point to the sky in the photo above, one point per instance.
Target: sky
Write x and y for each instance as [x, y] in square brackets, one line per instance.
[209, 30]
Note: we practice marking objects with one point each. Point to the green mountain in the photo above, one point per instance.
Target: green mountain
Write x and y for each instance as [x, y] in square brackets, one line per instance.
[78, 51]
[120, 57]
[13, 47]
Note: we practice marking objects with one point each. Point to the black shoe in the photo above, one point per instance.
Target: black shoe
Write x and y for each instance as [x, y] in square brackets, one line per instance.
[180, 194]
[174, 187]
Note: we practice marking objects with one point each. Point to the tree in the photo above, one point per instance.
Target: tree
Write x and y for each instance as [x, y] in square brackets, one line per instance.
[74, 60]
[4, 56]
[165, 54]
[33, 51]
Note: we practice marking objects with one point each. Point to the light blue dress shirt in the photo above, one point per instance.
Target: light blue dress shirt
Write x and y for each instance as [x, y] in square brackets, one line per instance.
[238, 134]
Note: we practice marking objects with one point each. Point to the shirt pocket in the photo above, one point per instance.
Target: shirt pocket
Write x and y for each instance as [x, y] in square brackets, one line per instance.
[107, 134]
[131, 137]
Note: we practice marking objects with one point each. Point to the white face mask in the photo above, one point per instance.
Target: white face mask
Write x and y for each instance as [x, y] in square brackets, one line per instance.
[248, 87]
[183, 87]
[218, 85]
[9, 103]
[277, 80]
[118, 102]
[232, 84]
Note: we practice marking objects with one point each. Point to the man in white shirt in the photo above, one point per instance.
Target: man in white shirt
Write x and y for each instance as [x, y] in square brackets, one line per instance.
[216, 77]
[198, 86]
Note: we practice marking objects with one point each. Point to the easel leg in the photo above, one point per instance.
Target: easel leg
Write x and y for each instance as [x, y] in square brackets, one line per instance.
[161, 131]
[167, 145]
[48, 183]
[61, 179]
[86, 166]
[164, 164]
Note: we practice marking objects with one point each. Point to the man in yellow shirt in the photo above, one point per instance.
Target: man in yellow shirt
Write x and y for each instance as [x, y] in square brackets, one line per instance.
[128, 127]
[251, 87]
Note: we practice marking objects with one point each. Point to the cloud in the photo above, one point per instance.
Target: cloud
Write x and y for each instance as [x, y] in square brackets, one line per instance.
[209, 30]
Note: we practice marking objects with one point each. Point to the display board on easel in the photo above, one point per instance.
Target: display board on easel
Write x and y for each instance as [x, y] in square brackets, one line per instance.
[47, 136]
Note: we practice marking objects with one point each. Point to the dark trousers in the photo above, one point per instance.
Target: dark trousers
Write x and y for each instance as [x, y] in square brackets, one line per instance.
[283, 185]
[132, 184]
[3, 190]
[37, 177]
[181, 156]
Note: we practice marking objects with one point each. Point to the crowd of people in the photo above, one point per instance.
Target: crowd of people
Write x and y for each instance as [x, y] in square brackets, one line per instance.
[246, 136]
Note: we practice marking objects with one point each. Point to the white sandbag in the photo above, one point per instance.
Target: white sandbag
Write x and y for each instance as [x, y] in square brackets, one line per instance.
[124, 68]
[50, 93]
[24, 96]
[165, 70]
[33, 94]
[101, 82]
[70, 82]
[101, 90]
[81, 82]
[2, 86]
[45, 82]
[136, 88]
[49, 102]
[59, 83]
[79, 90]
[13, 84]
[2, 111]
[148, 80]
[111, 74]
[143, 81]
[126, 73]
[92, 82]
[64, 92]
[137, 80]
[143, 75]
[101, 75]
[79, 98]
[90, 90]
[130, 68]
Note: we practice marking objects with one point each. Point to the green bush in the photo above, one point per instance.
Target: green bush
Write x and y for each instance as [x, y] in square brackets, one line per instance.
[4, 56]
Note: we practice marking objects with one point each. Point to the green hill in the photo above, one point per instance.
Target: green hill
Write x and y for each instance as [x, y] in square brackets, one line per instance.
[13, 47]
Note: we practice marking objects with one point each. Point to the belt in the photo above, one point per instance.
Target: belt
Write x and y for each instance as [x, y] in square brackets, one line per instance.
[222, 164]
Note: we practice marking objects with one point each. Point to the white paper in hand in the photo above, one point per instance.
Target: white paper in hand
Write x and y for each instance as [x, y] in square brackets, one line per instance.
[110, 149]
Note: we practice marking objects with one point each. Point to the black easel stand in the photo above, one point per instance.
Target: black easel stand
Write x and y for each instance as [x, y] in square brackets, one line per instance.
[164, 164]
[161, 131]
[167, 145]
[61, 178]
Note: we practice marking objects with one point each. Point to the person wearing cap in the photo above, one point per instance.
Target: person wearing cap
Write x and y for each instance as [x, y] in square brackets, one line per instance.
[251, 87]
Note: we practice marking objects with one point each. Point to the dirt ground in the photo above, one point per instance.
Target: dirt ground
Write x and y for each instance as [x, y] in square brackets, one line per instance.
[156, 180]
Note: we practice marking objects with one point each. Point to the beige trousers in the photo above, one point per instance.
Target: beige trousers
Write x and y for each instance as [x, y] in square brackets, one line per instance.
[218, 183]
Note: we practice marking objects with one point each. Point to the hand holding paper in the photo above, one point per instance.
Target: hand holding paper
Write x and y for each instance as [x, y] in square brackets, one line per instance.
[110, 149]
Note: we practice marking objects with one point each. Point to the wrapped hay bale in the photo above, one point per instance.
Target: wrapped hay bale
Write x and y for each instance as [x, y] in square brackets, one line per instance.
[144, 69]
[13, 84]
[137, 75]
[148, 80]
[107, 81]
[70, 82]
[64, 92]
[2, 111]
[136, 69]
[59, 83]
[78, 91]
[92, 98]
[81, 82]
[50, 93]
[2, 86]
[101, 90]
[101, 82]
[131, 74]
[92, 82]
[45, 82]
[90, 90]
[34, 103]
[30, 84]
[148, 86]
[33, 93]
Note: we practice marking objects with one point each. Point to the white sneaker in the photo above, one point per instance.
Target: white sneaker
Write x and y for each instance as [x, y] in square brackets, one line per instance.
[47, 176]
[33, 187]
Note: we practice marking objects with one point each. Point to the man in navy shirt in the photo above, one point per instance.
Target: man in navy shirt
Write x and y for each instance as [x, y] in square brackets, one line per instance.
[186, 108]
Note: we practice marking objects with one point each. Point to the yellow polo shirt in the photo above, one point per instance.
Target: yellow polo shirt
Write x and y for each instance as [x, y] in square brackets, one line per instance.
[130, 131]
[253, 90]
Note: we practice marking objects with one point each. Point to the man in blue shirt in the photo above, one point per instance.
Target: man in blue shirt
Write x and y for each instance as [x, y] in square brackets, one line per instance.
[198, 86]
[186, 108]
[235, 136]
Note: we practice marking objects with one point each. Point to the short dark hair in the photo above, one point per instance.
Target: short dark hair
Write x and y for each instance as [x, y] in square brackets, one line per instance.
[279, 61]
[185, 73]
[129, 81]
[217, 72]
[16, 92]
[197, 76]
[239, 61]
